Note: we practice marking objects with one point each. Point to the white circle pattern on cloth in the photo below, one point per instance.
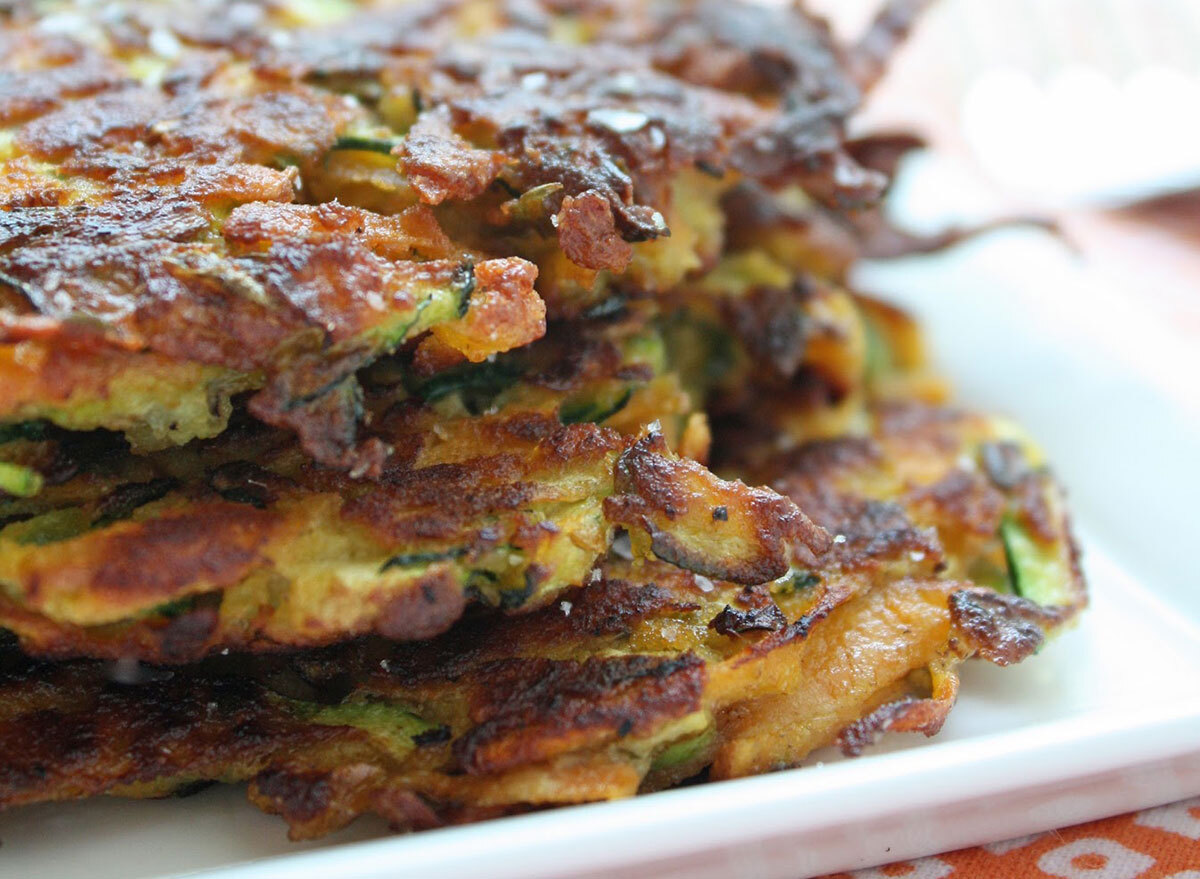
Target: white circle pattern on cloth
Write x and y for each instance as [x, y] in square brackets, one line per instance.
[926, 868]
[1094, 858]
[1182, 818]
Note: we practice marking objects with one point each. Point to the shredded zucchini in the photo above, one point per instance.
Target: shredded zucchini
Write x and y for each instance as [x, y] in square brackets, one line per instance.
[1038, 571]
[19, 481]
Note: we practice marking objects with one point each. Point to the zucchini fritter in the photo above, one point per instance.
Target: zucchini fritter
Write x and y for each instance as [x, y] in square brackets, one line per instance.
[283, 552]
[503, 488]
[357, 362]
[633, 682]
[778, 359]
[196, 204]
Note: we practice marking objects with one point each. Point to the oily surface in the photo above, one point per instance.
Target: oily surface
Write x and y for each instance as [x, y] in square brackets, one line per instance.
[359, 368]
[646, 675]
[200, 200]
[507, 482]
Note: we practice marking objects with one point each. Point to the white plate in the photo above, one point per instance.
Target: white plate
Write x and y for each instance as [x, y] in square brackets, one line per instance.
[1106, 719]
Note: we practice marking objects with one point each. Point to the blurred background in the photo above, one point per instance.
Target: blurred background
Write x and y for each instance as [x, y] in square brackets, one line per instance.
[1084, 110]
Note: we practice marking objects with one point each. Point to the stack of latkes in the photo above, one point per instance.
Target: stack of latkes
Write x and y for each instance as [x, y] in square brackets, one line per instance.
[446, 409]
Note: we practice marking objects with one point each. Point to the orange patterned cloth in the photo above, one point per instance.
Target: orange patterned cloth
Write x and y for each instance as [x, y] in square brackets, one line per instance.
[1162, 843]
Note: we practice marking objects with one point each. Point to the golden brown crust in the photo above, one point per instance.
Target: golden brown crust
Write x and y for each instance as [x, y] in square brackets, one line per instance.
[533, 710]
[638, 679]
[1003, 629]
[925, 715]
[441, 164]
[414, 233]
[102, 736]
[168, 228]
[588, 235]
[429, 608]
[156, 224]
[502, 313]
[49, 70]
[213, 543]
[504, 508]
[759, 532]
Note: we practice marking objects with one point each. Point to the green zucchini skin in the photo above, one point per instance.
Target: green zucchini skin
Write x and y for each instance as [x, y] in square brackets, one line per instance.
[383, 145]
[19, 481]
[1037, 571]
[478, 383]
[596, 410]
